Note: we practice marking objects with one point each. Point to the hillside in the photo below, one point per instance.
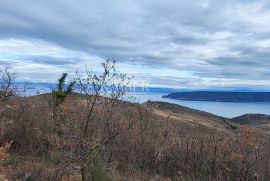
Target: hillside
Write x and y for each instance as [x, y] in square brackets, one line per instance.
[188, 116]
[256, 120]
[221, 96]
[150, 141]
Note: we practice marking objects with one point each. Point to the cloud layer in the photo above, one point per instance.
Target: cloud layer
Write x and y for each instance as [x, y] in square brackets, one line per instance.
[175, 43]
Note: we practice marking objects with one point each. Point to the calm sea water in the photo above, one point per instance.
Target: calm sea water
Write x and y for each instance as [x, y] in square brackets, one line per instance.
[225, 109]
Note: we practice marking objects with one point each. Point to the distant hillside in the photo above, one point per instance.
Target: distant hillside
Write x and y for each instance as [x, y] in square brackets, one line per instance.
[221, 96]
[188, 116]
[256, 120]
[252, 119]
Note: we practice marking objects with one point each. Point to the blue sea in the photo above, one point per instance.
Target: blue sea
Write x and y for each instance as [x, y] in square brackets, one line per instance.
[225, 109]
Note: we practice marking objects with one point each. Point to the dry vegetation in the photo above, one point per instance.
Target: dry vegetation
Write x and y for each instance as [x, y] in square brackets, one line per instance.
[84, 136]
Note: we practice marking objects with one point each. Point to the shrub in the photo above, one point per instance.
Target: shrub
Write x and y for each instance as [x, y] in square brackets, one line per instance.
[4, 157]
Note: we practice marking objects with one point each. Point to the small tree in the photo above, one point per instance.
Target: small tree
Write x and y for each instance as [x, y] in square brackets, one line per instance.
[61, 93]
[59, 96]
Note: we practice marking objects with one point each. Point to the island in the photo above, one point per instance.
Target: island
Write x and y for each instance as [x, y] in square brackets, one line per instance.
[221, 96]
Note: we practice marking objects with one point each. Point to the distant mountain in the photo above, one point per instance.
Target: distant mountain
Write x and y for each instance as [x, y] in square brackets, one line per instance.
[221, 96]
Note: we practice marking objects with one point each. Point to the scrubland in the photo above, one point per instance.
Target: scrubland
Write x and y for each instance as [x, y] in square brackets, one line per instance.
[87, 136]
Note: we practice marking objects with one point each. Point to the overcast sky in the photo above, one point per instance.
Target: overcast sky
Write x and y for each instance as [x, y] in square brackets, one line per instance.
[172, 43]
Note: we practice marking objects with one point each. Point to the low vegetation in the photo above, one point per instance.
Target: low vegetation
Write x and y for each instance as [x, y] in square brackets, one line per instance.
[94, 135]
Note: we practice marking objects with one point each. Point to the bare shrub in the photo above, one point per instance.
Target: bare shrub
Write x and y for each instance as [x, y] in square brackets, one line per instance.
[4, 157]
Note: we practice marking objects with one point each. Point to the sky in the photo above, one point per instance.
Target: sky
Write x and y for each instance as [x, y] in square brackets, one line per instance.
[174, 43]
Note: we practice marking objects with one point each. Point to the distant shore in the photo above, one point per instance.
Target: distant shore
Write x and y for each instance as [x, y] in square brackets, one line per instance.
[242, 97]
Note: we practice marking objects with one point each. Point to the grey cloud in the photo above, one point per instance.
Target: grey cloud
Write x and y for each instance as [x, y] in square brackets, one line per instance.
[212, 38]
[53, 60]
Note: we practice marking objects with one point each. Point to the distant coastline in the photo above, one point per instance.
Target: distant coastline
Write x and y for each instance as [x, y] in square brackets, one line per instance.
[221, 96]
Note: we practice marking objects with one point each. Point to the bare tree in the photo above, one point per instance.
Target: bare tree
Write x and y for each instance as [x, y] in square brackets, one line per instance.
[100, 112]
[7, 84]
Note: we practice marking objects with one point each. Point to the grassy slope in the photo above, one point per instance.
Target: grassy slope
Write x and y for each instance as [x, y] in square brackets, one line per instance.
[191, 117]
